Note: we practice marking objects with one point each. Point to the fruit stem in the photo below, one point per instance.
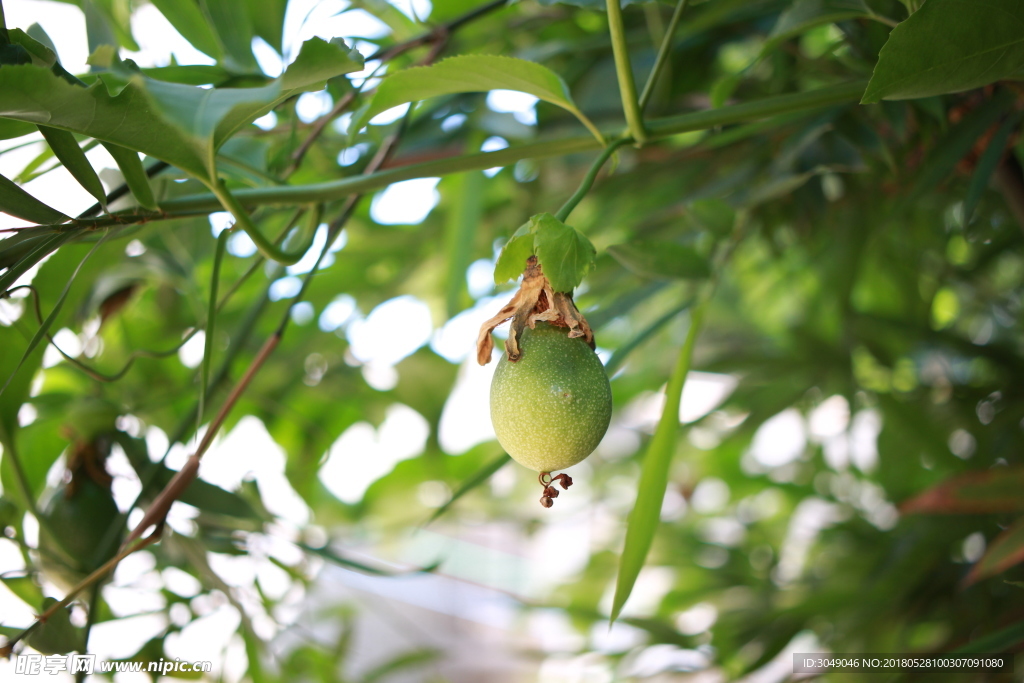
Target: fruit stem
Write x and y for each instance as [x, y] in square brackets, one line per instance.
[588, 180]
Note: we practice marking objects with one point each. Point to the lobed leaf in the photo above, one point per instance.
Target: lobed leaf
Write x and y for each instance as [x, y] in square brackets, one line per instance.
[512, 259]
[565, 254]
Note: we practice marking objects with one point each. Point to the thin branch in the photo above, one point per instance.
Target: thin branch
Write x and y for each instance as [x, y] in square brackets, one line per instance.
[624, 72]
[846, 93]
[437, 37]
[663, 53]
[588, 180]
[90, 580]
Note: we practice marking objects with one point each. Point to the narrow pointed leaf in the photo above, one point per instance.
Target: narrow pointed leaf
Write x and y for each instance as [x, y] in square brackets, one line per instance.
[66, 148]
[176, 123]
[646, 514]
[661, 260]
[134, 175]
[1006, 551]
[807, 14]
[993, 643]
[480, 477]
[17, 202]
[48, 322]
[188, 19]
[470, 73]
[994, 490]
[234, 28]
[986, 165]
[950, 46]
[621, 353]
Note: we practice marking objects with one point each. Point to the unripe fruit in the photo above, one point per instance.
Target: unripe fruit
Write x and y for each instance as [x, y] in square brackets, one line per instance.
[550, 408]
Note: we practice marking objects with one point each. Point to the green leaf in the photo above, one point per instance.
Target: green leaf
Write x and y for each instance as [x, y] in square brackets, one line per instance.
[949, 46]
[960, 139]
[807, 14]
[188, 19]
[512, 259]
[267, 18]
[179, 124]
[48, 322]
[715, 215]
[994, 643]
[38, 34]
[650, 493]
[14, 129]
[662, 260]
[42, 54]
[621, 353]
[1006, 551]
[17, 202]
[25, 588]
[470, 73]
[986, 165]
[66, 148]
[118, 13]
[565, 254]
[994, 490]
[55, 636]
[134, 175]
[231, 21]
[199, 494]
[478, 478]
[460, 233]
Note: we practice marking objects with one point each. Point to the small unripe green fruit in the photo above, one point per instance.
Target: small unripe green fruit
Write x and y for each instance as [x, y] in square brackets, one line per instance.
[550, 408]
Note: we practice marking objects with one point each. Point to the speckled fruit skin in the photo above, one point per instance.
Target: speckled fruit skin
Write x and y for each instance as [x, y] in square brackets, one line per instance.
[551, 408]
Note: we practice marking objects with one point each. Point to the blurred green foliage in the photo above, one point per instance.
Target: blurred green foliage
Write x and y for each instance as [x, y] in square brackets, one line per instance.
[872, 321]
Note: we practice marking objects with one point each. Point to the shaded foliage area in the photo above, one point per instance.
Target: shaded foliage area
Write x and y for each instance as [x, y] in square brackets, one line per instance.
[858, 268]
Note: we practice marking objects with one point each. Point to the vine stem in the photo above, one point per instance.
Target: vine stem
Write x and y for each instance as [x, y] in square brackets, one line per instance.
[588, 180]
[624, 71]
[663, 53]
[748, 112]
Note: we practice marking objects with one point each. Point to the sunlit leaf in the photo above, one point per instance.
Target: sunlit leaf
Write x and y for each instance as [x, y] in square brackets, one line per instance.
[66, 148]
[187, 17]
[180, 124]
[17, 202]
[470, 73]
[650, 492]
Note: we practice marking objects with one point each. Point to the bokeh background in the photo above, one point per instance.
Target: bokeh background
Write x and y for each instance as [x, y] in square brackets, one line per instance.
[864, 345]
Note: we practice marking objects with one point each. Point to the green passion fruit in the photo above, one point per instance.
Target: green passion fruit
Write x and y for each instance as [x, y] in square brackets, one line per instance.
[550, 408]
